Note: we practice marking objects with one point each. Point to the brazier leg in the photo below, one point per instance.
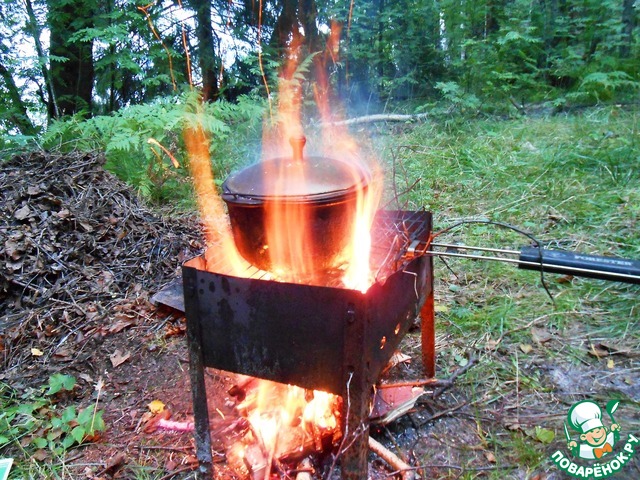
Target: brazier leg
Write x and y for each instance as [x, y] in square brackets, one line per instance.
[356, 429]
[356, 395]
[202, 432]
[428, 327]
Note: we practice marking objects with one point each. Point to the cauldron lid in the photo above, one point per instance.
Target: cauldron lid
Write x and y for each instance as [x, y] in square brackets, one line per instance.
[304, 179]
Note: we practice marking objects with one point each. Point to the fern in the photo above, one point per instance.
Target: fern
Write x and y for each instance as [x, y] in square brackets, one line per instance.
[124, 137]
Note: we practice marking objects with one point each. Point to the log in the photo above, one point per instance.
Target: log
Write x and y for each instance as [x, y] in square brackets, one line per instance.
[382, 117]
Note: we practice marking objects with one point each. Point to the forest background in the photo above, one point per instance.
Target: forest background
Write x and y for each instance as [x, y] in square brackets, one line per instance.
[83, 59]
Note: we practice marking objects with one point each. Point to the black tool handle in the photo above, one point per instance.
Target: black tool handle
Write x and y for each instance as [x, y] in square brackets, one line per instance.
[580, 264]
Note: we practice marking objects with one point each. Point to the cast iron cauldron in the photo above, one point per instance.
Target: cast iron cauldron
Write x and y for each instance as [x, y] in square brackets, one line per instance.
[326, 189]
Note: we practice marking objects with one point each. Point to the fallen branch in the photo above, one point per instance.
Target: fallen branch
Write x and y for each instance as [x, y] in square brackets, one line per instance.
[405, 470]
[377, 118]
[442, 385]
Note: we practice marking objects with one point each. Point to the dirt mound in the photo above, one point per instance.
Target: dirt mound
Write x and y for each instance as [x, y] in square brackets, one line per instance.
[76, 246]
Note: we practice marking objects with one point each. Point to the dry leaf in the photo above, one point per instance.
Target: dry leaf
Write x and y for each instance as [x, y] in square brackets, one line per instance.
[170, 465]
[33, 190]
[40, 455]
[115, 463]
[22, 213]
[120, 325]
[156, 406]
[13, 249]
[152, 424]
[63, 354]
[397, 358]
[540, 335]
[14, 266]
[64, 213]
[526, 348]
[87, 227]
[118, 358]
[565, 279]
[598, 351]
[610, 363]
[36, 352]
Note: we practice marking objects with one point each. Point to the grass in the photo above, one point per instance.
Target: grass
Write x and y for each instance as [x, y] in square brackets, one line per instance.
[574, 183]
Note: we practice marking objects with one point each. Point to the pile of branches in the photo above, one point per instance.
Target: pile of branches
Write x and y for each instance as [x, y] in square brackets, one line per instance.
[75, 242]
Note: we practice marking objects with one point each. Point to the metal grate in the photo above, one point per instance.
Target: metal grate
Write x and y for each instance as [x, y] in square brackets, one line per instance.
[394, 233]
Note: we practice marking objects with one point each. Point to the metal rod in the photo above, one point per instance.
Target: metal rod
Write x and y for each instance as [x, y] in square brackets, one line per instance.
[570, 270]
[483, 249]
[478, 257]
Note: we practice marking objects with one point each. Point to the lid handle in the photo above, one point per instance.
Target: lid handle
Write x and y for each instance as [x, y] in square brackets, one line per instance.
[297, 143]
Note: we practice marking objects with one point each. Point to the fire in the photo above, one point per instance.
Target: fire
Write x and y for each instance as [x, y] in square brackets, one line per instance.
[289, 225]
[216, 225]
[287, 420]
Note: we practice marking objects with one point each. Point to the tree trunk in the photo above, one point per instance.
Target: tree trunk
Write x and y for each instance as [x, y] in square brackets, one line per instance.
[18, 111]
[285, 23]
[71, 79]
[380, 39]
[628, 24]
[308, 14]
[206, 49]
[34, 29]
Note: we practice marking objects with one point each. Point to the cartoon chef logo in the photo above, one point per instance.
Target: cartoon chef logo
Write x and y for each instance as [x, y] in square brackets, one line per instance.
[596, 440]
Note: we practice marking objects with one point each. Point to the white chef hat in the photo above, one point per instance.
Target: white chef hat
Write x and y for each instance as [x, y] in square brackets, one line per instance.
[585, 416]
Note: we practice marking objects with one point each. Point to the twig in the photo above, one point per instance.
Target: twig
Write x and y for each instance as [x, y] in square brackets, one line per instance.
[443, 385]
[186, 468]
[392, 459]
[428, 382]
[471, 360]
[455, 467]
[443, 413]
[160, 447]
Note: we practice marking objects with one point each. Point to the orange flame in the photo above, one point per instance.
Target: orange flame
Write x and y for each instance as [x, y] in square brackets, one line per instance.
[286, 418]
[289, 225]
[217, 230]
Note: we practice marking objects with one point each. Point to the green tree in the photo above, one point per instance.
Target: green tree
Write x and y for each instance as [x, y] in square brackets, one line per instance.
[71, 58]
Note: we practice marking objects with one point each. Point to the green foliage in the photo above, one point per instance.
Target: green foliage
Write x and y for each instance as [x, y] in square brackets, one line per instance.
[460, 101]
[602, 86]
[131, 139]
[59, 381]
[36, 420]
[542, 435]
